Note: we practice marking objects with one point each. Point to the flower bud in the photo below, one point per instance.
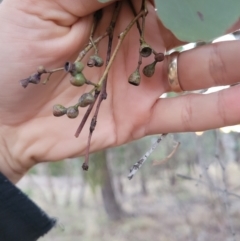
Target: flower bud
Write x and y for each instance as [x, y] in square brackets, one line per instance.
[86, 99]
[59, 110]
[78, 80]
[149, 69]
[72, 112]
[135, 78]
[95, 60]
[145, 50]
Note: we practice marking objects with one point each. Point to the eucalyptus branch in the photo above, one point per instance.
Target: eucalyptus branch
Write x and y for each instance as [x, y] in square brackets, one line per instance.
[90, 46]
[135, 14]
[36, 77]
[86, 115]
[92, 126]
[99, 90]
[103, 93]
[120, 40]
[109, 33]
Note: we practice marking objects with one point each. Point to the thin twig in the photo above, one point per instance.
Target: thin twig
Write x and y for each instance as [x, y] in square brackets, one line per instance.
[85, 117]
[143, 8]
[226, 194]
[103, 93]
[157, 163]
[120, 40]
[206, 184]
[139, 163]
[84, 52]
[50, 72]
[90, 46]
[135, 14]
[97, 16]
[91, 129]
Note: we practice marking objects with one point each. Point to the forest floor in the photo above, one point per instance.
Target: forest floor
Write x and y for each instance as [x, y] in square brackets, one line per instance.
[173, 210]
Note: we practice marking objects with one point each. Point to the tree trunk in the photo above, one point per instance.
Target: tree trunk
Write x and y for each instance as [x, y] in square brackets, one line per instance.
[111, 205]
[144, 190]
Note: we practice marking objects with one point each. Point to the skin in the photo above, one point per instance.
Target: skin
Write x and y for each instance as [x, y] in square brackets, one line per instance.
[49, 33]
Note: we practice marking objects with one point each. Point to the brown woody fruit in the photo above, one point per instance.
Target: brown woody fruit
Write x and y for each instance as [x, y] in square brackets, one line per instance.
[59, 110]
[96, 61]
[74, 68]
[145, 50]
[72, 112]
[86, 99]
[149, 69]
[135, 78]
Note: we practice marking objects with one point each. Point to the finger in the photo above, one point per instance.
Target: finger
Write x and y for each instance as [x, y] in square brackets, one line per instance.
[196, 112]
[82, 8]
[61, 11]
[210, 65]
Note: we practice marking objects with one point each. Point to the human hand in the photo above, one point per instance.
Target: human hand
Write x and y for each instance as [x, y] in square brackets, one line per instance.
[49, 33]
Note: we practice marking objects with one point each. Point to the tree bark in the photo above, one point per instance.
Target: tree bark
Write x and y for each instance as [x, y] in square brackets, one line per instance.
[111, 205]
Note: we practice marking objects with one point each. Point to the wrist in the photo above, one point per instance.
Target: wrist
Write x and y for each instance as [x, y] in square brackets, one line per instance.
[10, 165]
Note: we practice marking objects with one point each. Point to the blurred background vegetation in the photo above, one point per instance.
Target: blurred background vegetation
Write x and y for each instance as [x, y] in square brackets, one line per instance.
[194, 195]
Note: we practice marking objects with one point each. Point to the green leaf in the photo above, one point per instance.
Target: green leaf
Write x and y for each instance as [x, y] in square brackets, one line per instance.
[195, 20]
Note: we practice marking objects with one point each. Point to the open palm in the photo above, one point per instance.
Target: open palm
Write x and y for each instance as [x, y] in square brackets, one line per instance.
[50, 33]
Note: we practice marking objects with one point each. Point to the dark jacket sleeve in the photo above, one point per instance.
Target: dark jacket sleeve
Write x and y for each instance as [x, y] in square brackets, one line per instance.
[20, 218]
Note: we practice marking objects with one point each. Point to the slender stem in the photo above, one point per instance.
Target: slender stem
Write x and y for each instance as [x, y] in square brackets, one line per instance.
[54, 70]
[97, 16]
[109, 32]
[139, 61]
[141, 161]
[103, 93]
[97, 40]
[88, 82]
[135, 14]
[143, 8]
[50, 72]
[120, 40]
[90, 46]
[206, 184]
[141, 30]
[85, 117]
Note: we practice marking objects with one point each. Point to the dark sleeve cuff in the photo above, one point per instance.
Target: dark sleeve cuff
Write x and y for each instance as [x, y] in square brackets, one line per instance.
[20, 218]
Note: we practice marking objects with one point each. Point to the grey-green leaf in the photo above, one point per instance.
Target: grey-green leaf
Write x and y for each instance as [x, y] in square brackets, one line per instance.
[194, 20]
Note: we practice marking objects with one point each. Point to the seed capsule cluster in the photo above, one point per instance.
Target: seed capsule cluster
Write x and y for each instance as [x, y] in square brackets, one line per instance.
[145, 51]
